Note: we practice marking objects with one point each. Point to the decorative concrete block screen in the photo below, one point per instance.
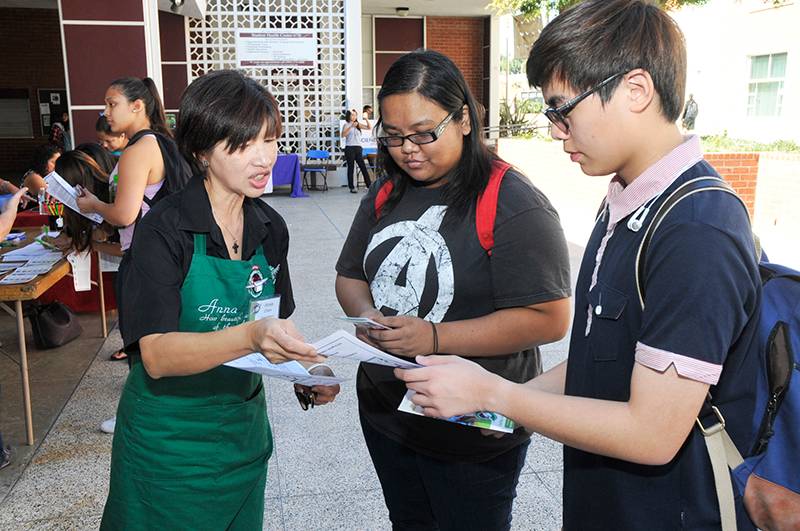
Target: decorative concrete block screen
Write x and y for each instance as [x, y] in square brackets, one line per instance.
[311, 98]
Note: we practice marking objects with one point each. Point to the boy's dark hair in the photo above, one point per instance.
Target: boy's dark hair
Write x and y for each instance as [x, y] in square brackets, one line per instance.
[435, 77]
[41, 155]
[145, 89]
[224, 105]
[366, 108]
[599, 38]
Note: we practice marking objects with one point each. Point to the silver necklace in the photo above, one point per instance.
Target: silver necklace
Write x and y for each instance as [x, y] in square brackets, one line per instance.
[235, 240]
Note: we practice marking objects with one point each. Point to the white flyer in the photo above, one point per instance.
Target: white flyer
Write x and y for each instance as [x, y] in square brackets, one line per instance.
[292, 371]
[366, 322]
[65, 193]
[486, 420]
[18, 278]
[340, 344]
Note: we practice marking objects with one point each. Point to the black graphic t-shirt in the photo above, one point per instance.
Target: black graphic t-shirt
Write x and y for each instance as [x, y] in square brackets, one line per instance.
[419, 260]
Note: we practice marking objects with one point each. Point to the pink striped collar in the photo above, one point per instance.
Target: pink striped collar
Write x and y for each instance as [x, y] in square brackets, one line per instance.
[624, 200]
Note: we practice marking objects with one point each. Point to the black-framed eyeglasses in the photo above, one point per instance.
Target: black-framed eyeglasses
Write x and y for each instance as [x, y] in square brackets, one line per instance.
[558, 115]
[306, 397]
[417, 138]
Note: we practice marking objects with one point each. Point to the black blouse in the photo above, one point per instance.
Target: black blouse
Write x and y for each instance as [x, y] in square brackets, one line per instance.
[153, 269]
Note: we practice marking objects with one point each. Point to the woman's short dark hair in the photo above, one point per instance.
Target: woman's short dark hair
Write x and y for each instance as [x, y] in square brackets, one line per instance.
[228, 106]
[41, 155]
[78, 168]
[102, 157]
[434, 76]
[596, 39]
[145, 89]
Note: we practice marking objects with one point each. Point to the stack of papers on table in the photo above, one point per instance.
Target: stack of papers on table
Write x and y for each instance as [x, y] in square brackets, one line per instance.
[27, 263]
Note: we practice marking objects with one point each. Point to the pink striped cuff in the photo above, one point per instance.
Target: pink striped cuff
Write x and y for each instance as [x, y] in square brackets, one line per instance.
[692, 368]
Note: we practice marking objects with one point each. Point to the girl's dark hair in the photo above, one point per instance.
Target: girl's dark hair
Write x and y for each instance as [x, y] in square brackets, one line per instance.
[224, 105]
[103, 158]
[78, 168]
[41, 155]
[145, 89]
[435, 77]
[596, 39]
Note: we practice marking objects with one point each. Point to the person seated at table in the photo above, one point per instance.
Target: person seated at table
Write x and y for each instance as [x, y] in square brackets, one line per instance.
[44, 161]
[81, 170]
[112, 142]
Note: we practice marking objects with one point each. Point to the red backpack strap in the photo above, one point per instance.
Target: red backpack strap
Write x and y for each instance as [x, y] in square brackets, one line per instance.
[486, 210]
[382, 196]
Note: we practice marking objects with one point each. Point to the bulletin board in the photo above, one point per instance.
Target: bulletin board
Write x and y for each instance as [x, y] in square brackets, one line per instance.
[52, 103]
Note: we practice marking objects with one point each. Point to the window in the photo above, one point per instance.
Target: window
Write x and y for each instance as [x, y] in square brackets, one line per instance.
[15, 114]
[765, 90]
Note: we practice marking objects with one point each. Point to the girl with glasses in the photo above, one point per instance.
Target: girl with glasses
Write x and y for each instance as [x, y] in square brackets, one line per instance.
[414, 262]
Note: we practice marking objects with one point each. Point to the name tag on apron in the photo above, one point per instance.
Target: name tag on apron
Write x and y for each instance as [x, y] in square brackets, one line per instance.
[265, 308]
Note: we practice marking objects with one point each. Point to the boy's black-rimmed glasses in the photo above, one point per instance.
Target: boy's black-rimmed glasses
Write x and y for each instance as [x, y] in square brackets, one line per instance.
[558, 115]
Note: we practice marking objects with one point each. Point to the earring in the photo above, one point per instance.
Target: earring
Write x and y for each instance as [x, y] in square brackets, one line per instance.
[204, 163]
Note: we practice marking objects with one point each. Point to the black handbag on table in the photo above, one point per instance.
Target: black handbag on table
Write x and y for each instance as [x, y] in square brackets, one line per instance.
[53, 325]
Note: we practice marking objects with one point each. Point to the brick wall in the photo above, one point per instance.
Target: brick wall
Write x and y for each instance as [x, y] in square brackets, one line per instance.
[461, 39]
[741, 171]
[31, 59]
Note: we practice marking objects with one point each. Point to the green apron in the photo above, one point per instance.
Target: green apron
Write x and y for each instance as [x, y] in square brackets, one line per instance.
[190, 452]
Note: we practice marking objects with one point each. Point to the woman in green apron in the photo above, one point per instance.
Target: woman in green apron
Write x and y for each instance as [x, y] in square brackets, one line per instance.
[192, 439]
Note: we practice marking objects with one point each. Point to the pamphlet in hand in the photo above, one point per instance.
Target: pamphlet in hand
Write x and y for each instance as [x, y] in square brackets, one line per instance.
[290, 370]
[486, 420]
[340, 344]
[65, 193]
[366, 322]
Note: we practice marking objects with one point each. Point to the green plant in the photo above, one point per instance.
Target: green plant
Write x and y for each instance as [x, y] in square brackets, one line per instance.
[714, 143]
[530, 9]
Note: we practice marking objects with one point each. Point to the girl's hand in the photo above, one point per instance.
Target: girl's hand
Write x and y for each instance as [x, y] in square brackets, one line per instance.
[278, 340]
[87, 201]
[320, 394]
[409, 336]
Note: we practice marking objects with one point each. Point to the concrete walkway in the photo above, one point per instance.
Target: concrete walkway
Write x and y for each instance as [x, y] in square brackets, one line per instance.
[320, 475]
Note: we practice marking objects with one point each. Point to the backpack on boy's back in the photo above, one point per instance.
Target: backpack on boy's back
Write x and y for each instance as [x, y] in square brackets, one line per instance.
[768, 477]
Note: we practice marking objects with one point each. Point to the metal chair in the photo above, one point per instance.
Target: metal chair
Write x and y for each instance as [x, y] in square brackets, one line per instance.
[370, 155]
[316, 163]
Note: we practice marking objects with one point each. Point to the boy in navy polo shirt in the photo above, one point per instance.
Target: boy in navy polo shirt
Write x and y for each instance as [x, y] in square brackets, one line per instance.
[625, 402]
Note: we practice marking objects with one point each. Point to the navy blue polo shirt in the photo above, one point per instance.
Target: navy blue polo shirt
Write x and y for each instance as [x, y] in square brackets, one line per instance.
[701, 300]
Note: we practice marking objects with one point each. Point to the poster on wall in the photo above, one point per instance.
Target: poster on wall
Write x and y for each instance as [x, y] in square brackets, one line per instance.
[276, 48]
[52, 104]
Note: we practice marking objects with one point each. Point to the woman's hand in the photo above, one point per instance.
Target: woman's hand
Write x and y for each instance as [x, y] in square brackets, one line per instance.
[87, 201]
[278, 340]
[409, 336]
[449, 385]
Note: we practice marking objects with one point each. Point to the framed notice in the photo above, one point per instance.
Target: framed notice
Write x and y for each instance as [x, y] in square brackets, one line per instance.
[276, 48]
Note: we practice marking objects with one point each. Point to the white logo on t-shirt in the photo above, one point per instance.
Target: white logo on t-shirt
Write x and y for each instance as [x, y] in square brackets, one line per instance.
[419, 241]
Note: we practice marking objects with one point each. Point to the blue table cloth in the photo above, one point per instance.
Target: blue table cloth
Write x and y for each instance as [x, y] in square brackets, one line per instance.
[287, 171]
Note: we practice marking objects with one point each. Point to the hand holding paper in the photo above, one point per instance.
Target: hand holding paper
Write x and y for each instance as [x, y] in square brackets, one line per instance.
[65, 193]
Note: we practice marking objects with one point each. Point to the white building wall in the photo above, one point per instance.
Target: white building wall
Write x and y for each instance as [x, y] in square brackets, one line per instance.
[721, 36]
